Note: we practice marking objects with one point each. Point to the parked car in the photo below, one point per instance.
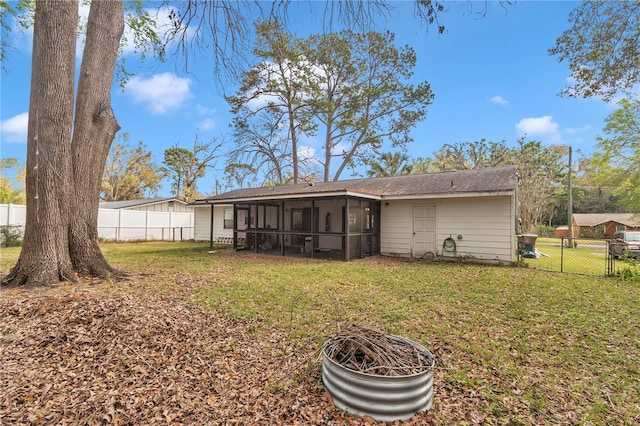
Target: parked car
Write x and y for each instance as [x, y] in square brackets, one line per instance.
[625, 243]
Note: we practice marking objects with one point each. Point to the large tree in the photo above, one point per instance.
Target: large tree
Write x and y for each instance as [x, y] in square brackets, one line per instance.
[616, 164]
[541, 171]
[602, 48]
[64, 168]
[184, 167]
[352, 89]
[275, 91]
[130, 173]
[362, 96]
[262, 146]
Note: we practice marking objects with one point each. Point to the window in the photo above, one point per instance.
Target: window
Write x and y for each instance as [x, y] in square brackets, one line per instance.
[228, 218]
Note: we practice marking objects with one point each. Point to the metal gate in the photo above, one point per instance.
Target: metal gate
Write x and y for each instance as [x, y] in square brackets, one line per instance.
[586, 256]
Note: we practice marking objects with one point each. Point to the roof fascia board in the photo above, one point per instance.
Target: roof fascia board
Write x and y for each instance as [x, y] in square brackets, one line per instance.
[447, 195]
[354, 194]
[275, 197]
[151, 203]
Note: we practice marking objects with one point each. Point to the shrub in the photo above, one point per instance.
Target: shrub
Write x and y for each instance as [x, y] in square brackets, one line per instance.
[10, 236]
[630, 272]
[545, 231]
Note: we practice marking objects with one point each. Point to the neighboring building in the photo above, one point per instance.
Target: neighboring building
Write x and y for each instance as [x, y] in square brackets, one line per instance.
[150, 204]
[146, 219]
[470, 213]
[603, 225]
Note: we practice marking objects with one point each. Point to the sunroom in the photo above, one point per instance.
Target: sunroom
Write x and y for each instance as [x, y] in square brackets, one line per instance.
[334, 227]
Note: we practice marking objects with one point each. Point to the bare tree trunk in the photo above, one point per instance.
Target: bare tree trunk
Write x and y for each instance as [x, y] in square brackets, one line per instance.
[64, 174]
[44, 258]
[95, 127]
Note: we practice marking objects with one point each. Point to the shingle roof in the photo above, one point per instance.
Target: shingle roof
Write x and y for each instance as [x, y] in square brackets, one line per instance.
[497, 179]
[594, 219]
[136, 203]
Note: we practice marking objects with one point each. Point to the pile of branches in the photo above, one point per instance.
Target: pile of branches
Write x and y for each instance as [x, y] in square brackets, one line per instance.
[370, 351]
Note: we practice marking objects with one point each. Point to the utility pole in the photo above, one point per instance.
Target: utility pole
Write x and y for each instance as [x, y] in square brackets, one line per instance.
[570, 203]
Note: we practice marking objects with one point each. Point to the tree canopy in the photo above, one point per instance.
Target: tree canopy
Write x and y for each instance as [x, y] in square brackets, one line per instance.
[11, 177]
[617, 162]
[389, 164]
[349, 89]
[130, 173]
[602, 48]
[184, 167]
[468, 155]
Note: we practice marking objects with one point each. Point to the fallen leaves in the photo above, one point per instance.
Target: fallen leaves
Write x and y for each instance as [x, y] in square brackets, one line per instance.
[92, 358]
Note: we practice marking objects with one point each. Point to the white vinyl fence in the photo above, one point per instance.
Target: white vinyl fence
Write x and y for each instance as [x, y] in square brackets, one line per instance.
[121, 225]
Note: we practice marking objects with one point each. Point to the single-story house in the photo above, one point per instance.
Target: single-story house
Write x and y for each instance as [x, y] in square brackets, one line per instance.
[150, 204]
[470, 213]
[603, 225]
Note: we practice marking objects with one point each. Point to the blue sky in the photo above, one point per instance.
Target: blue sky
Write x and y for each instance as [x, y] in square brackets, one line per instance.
[492, 78]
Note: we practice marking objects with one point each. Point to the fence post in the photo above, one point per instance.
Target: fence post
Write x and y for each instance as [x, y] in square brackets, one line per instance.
[562, 255]
[146, 225]
[119, 225]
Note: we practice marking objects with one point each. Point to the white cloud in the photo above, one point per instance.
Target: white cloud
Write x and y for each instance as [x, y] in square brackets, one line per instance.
[540, 127]
[576, 130]
[14, 129]
[307, 155]
[203, 110]
[160, 93]
[499, 100]
[207, 124]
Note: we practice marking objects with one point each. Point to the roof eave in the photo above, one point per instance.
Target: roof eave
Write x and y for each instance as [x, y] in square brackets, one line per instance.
[448, 195]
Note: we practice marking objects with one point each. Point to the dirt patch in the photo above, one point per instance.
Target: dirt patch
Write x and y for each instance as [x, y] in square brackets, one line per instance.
[76, 356]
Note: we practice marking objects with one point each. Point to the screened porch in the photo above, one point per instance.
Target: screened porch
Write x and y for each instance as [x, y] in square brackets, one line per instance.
[342, 228]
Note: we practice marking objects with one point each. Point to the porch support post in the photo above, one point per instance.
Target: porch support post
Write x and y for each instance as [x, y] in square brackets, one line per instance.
[313, 222]
[346, 245]
[255, 230]
[211, 229]
[235, 226]
[281, 226]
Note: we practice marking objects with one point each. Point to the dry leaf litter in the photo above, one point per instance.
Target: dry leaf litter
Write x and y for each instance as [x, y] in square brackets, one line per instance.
[73, 357]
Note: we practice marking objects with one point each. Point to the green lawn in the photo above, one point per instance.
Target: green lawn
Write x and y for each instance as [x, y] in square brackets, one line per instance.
[531, 347]
[588, 257]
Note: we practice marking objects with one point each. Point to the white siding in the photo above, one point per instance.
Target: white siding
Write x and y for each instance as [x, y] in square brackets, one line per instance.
[395, 228]
[486, 224]
[203, 222]
[165, 206]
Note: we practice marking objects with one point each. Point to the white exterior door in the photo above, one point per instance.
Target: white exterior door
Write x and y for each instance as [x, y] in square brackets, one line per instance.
[424, 231]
